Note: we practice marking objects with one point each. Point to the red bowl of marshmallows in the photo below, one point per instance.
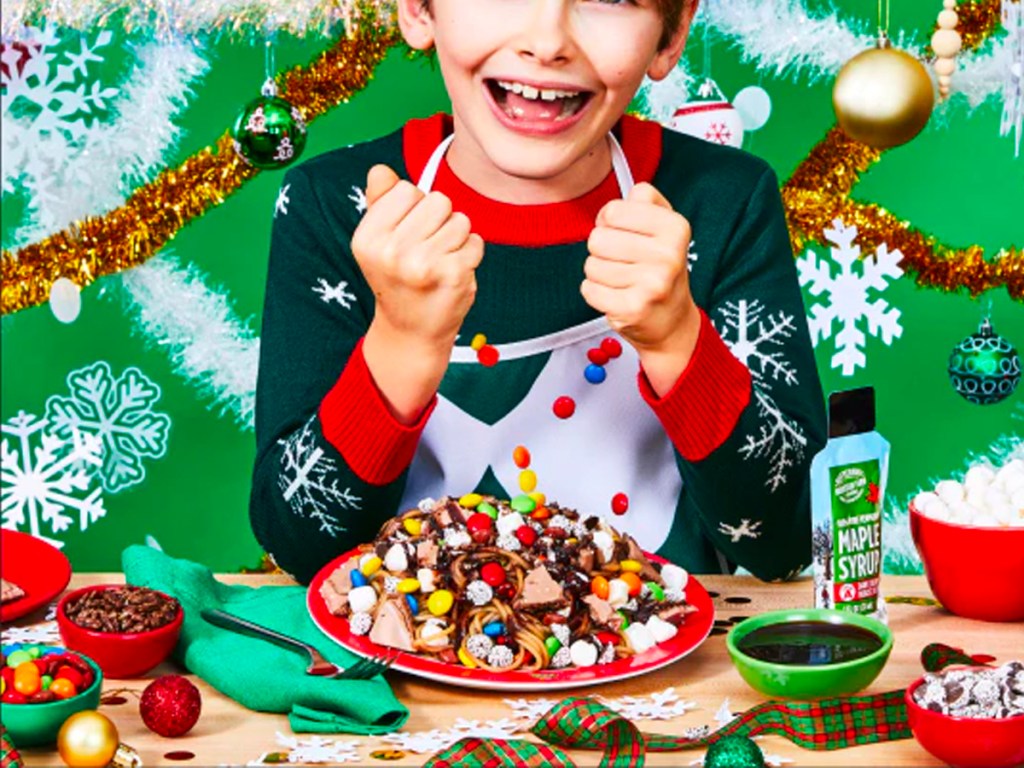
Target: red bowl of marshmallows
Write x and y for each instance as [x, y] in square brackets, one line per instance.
[970, 536]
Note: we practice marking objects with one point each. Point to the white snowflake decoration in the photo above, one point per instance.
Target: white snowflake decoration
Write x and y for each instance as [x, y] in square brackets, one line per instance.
[117, 411]
[756, 339]
[337, 293]
[358, 197]
[423, 742]
[306, 483]
[46, 633]
[490, 729]
[317, 749]
[530, 710]
[849, 294]
[746, 529]
[45, 484]
[663, 705]
[281, 204]
[723, 715]
[1013, 86]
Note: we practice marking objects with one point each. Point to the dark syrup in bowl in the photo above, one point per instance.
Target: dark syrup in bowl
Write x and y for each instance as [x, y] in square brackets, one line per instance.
[809, 643]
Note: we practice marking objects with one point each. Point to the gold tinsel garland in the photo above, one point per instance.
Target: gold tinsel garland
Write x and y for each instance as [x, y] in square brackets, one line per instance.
[819, 192]
[128, 236]
[977, 22]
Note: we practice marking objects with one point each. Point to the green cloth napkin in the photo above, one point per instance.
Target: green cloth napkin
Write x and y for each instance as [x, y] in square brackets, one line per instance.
[257, 673]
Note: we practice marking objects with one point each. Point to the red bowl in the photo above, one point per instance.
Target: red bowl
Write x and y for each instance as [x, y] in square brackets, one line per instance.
[119, 654]
[967, 742]
[977, 573]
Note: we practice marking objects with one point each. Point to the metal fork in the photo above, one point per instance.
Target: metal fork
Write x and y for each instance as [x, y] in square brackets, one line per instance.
[363, 669]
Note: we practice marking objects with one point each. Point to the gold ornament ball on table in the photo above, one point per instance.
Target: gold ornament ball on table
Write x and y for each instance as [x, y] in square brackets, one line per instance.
[883, 97]
[87, 740]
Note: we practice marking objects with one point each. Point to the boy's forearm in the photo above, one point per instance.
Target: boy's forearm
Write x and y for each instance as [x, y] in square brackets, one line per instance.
[406, 370]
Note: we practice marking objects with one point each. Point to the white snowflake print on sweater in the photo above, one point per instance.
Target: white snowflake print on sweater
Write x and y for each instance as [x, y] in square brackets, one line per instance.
[746, 529]
[281, 204]
[848, 293]
[358, 197]
[117, 411]
[756, 339]
[45, 484]
[337, 293]
[308, 484]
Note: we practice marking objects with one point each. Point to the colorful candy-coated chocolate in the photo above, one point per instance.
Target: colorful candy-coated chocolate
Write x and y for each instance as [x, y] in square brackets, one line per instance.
[371, 566]
[506, 591]
[70, 673]
[607, 637]
[487, 355]
[18, 658]
[631, 565]
[523, 504]
[541, 513]
[552, 644]
[358, 580]
[599, 586]
[493, 573]
[466, 659]
[620, 503]
[494, 629]
[521, 456]
[527, 480]
[526, 535]
[46, 681]
[597, 356]
[478, 521]
[470, 500]
[27, 680]
[412, 526]
[413, 604]
[656, 591]
[478, 341]
[488, 509]
[538, 497]
[408, 586]
[63, 689]
[595, 374]
[34, 651]
[633, 582]
[564, 407]
[11, 696]
[440, 602]
[611, 347]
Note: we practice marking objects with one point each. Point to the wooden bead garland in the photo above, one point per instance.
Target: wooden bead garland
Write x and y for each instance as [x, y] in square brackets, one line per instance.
[946, 44]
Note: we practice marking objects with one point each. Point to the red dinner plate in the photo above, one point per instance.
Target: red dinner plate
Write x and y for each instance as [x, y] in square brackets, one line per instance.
[691, 634]
[40, 569]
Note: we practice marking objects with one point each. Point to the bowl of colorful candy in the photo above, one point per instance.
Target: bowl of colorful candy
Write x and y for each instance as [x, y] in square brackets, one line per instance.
[42, 687]
[127, 630]
[970, 716]
[970, 536]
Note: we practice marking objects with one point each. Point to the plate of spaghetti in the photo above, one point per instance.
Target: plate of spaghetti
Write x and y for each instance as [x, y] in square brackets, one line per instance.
[487, 593]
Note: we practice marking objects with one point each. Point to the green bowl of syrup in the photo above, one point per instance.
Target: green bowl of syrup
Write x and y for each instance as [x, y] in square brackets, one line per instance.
[808, 653]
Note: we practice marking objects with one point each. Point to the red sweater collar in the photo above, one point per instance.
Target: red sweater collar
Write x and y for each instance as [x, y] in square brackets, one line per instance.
[530, 225]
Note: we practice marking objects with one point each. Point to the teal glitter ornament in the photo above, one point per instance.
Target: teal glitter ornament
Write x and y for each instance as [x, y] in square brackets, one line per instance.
[984, 368]
[734, 752]
[270, 133]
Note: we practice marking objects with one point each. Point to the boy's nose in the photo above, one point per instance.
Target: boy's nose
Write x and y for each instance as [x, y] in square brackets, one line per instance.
[545, 33]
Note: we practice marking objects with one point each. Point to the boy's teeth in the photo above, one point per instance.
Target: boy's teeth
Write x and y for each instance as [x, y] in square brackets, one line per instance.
[529, 92]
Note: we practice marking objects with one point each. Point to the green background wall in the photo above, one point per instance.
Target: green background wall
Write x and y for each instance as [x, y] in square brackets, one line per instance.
[958, 181]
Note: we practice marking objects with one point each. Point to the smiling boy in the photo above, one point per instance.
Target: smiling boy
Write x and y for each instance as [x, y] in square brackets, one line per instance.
[619, 272]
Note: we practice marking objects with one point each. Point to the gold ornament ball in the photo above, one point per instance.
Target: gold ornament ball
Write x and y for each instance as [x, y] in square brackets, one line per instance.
[883, 97]
[87, 740]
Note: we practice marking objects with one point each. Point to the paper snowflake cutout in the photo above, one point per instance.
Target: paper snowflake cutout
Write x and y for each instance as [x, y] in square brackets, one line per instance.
[358, 197]
[530, 710]
[337, 293]
[849, 293]
[317, 749]
[723, 716]
[421, 742]
[45, 484]
[34, 634]
[746, 529]
[490, 729]
[119, 412]
[663, 705]
[307, 483]
[281, 204]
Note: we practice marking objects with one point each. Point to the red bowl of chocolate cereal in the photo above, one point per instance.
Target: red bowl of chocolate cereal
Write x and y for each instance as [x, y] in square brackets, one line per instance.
[127, 630]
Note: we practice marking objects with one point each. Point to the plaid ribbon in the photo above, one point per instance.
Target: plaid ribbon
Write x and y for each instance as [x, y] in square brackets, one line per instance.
[9, 757]
[583, 723]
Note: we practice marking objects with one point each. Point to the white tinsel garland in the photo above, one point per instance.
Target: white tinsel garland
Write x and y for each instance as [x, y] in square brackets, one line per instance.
[208, 344]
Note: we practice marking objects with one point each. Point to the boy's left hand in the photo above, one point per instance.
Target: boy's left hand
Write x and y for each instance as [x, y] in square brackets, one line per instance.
[637, 276]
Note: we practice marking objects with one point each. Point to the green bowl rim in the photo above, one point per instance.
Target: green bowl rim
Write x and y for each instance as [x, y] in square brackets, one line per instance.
[97, 679]
[813, 614]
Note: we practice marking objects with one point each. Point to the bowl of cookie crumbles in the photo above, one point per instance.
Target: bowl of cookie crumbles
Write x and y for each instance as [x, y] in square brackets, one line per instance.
[970, 716]
[127, 630]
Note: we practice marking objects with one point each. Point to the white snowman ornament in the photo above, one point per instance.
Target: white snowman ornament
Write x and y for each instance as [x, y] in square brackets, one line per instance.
[711, 117]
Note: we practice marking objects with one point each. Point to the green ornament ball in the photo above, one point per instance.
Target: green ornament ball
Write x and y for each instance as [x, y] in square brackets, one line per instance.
[269, 133]
[734, 752]
[984, 368]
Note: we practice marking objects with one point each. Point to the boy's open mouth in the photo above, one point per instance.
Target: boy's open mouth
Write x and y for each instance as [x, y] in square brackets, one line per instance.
[524, 102]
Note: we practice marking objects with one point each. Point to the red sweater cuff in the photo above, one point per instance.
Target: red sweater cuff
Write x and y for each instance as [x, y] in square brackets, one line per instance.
[357, 422]
[702, 408]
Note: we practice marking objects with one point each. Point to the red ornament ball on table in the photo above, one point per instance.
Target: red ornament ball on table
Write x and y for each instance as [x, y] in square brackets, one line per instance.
[170, 705]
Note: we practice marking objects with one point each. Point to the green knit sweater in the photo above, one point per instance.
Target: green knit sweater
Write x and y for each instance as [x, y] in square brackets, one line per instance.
[711, 475]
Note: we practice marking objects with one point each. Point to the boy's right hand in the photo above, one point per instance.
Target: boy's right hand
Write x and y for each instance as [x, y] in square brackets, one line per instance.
[420, 259]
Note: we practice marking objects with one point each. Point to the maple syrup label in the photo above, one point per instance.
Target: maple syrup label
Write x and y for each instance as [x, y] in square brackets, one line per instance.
[856, 501]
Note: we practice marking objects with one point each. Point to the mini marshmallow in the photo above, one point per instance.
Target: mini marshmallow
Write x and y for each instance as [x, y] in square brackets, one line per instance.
[923, 499]
[396, 560]
[1003, 513]
[984, 520]
[1014, 482]
[583, 653]
[950, 491]
[640, 637]
[603, 541]
[618, 593]
[1017, 499]
[660, 629]
[976, 496]
[362, 599]
[509, 524]
[425, 577]
[433, 633]
[936, 508]
[979, 475]
[674, 576]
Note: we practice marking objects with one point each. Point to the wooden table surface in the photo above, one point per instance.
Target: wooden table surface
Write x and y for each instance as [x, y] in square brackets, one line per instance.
[228, 734]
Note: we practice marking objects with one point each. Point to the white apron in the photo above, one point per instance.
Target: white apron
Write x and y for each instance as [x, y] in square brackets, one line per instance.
[612, 444]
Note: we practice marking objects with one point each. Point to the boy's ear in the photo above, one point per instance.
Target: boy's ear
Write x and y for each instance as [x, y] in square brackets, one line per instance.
[666, 59]
[416, 23]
